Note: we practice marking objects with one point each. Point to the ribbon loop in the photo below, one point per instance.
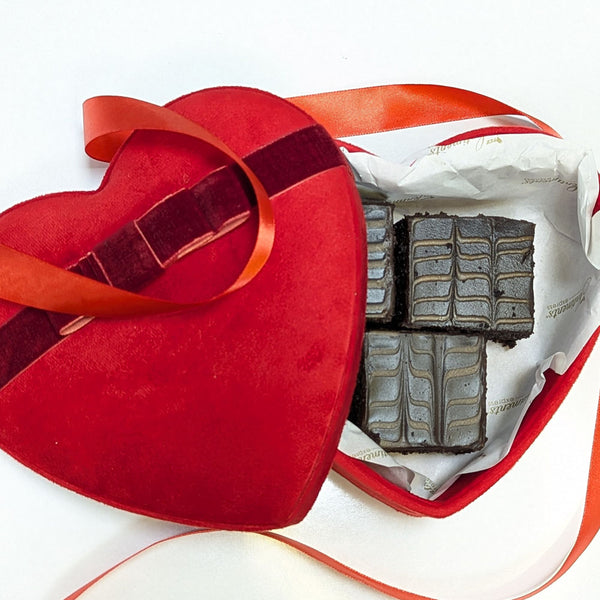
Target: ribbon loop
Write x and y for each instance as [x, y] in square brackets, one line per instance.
[108, 123]
[387, 107]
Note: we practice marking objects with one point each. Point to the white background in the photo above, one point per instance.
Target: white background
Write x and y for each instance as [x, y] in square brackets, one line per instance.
[540, 56]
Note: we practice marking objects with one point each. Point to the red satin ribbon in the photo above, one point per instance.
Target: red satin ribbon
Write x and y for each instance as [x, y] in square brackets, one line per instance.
[590, 524]
[588, 528]
[356, 112]
[108, 122]
[388, 107]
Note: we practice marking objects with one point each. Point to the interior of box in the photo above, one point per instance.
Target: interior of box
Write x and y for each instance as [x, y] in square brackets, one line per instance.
[521, 176]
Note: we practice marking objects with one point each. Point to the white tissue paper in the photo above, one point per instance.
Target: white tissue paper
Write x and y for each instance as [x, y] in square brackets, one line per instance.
[535, 177]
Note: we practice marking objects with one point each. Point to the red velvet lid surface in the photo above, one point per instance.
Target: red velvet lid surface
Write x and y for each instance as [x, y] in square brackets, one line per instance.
[225, 416]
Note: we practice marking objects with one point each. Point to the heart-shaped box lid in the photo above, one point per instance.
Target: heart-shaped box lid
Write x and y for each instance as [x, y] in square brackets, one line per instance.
[227, 415]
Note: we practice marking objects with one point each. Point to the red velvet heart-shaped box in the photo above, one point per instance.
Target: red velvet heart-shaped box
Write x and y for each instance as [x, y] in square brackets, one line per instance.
[226, 415]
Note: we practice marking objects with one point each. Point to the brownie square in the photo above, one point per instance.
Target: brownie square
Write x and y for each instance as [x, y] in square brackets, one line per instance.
[466, 274]
[423, 392]
[381, 286]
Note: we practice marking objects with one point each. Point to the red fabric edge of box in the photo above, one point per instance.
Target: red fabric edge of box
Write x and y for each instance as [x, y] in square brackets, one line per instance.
[470, 486]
